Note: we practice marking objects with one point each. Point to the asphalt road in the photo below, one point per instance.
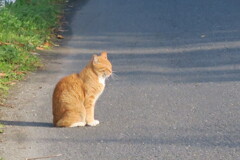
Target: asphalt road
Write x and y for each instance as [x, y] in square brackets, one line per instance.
[176, 96]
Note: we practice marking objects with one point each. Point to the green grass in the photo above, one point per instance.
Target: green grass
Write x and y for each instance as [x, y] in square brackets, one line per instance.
[24, 26]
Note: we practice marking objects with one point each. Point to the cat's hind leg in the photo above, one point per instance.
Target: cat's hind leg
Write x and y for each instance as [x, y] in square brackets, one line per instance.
[78, 124]
[71, 119]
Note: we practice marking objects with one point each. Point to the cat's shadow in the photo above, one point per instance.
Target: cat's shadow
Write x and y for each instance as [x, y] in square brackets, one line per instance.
[26, 124]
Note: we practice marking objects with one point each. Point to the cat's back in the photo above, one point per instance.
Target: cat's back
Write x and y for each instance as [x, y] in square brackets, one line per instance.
[68, 85]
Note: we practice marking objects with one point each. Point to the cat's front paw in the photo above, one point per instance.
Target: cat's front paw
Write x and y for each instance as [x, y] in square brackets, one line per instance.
[94, 123]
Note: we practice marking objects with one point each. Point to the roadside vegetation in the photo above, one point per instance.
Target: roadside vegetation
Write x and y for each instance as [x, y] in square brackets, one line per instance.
[25, 27]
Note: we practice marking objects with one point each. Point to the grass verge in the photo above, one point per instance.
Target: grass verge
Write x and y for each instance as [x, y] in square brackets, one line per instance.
[25, 26]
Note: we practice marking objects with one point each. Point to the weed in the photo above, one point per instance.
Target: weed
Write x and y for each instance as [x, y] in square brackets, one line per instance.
[24, 26]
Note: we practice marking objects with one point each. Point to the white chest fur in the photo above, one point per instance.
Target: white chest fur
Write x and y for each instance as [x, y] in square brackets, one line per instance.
[101, 80]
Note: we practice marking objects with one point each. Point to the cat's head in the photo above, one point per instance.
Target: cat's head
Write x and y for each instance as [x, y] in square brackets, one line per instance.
[101, 65]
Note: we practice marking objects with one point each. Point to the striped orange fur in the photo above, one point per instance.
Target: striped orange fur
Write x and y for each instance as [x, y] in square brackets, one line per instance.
[74, 96]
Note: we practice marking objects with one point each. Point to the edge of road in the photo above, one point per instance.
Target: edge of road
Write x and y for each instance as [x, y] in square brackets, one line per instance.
[11, 108]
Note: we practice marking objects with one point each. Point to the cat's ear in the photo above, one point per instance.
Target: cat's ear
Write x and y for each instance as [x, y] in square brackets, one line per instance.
[95, 59]
[104, 54]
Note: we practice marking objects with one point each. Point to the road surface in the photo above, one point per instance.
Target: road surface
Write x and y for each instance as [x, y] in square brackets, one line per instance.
[176, 96]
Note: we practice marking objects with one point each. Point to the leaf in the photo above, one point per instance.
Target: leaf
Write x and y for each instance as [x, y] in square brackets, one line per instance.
[39, 48]
[20, 72]
[3, 74]
[4, 43]
[5, 105]
[9, 83]
[20, 44]
[12, 83]
[47, 44]
[60, 36]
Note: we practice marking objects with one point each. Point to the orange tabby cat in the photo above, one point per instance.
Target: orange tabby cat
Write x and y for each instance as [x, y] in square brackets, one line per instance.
[75, 95]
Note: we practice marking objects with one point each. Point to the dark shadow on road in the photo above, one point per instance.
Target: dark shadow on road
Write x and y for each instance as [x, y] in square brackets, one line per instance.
[26, 124]
[197, 138]
[70, 10]
[197, 141]
[176, 66]
[201, 45]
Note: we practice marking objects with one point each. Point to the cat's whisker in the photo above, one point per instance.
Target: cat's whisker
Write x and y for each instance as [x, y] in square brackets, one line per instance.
[114, 76]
